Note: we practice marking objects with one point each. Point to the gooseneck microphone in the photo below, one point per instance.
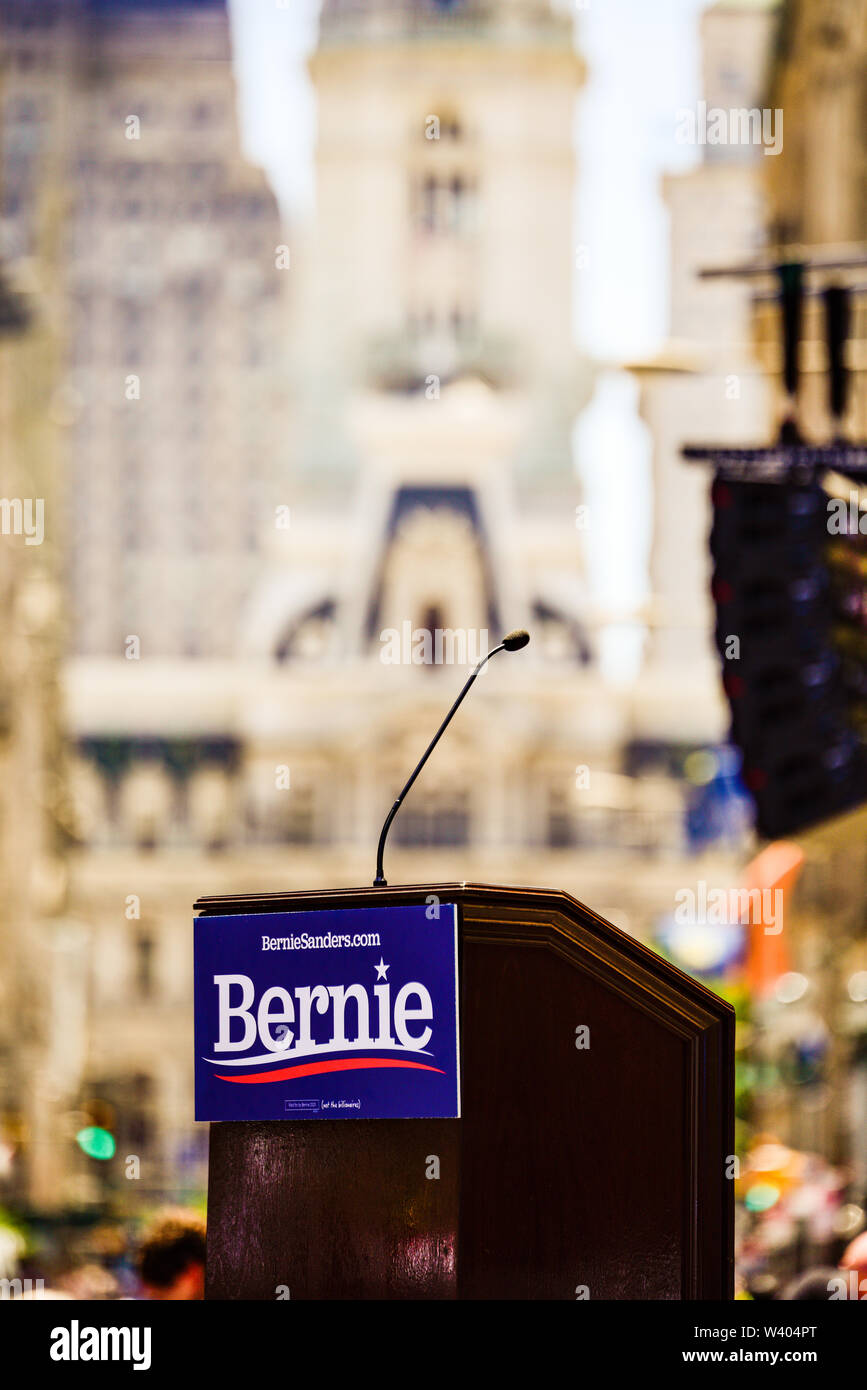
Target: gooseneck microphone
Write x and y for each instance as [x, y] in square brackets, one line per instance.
[512, 642]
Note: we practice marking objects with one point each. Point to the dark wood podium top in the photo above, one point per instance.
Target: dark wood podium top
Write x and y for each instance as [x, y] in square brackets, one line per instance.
[540, 905]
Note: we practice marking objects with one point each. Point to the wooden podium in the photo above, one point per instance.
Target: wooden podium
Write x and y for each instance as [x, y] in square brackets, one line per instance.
[575, 1171]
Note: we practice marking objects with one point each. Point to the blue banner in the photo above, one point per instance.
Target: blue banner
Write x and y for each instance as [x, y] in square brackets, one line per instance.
[349, 1014]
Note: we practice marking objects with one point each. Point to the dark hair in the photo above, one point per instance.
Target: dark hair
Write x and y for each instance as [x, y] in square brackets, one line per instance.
[171, 1243]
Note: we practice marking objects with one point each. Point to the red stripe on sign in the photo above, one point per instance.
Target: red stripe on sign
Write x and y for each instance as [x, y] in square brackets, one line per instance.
[256, 1078]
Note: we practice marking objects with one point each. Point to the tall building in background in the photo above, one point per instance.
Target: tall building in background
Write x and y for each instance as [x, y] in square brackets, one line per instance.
[120, 135]
[817, 189]
[170, 248]
[720, 380]
[435, 387]
[175, 304]
[816, 197]
[707, 383]
[43, 953]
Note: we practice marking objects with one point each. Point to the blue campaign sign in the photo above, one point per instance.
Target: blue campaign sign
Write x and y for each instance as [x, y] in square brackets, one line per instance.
[328, 1015]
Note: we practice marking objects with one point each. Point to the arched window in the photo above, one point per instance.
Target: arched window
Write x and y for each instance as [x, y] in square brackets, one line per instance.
[432, 622]
[441, 818]
[444, 204]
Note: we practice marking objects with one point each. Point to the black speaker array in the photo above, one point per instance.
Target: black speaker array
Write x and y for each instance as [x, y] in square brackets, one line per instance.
[793, 669]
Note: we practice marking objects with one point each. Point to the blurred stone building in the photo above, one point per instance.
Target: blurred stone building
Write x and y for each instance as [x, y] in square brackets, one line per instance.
[720, 380]
[432, 388]
[261, 562]
[149, 391]
[43, 953]
[817, 213]
[817, 191]
[707, 383]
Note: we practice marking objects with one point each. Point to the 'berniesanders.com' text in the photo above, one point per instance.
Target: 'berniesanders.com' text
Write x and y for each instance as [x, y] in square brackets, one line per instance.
[328, 942]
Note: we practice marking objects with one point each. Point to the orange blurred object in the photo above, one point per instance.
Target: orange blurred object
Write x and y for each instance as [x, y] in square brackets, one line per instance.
[771, 1162]
[772, 872]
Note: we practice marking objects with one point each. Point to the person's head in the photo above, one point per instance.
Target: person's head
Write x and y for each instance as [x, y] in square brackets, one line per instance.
[171, 1256]
[763, 1287]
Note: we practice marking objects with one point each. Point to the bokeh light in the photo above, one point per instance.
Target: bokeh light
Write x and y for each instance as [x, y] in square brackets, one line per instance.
[96, 1142]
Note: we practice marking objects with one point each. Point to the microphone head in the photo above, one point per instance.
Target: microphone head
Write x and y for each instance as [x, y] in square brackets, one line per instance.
[514, 641]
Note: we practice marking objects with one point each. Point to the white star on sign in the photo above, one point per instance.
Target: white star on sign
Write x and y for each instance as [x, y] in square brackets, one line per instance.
[381, 970]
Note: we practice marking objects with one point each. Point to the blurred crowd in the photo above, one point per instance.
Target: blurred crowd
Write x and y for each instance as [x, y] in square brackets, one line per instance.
[802, 1235]
[162, 1260]
[801, 1227]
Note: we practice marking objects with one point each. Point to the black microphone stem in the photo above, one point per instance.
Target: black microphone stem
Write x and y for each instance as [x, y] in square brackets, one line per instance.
[380, 881]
